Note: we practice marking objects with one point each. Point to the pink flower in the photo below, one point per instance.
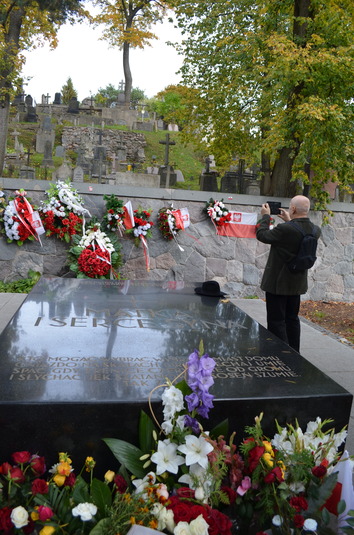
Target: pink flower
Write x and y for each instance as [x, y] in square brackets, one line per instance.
[245, 486]
[44, 513]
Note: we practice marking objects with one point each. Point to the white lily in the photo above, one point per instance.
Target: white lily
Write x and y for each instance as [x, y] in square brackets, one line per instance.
[166, 457]
[196, 450]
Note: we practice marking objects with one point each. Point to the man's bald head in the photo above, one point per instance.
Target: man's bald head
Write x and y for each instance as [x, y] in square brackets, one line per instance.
[299, 206]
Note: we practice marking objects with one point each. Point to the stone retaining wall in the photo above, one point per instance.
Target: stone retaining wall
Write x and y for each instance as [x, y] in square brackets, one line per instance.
[236, 263]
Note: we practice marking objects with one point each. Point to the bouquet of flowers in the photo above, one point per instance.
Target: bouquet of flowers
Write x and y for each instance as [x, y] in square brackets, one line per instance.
[63, 212]
[113, 219]
[217, 212]
[142, 226]
[192, 468]
[20, 220]
[95, 255]
[60, 500]
[290, 478]
[167, 223]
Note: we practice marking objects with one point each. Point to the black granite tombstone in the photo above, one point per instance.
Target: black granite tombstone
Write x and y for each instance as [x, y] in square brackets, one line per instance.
[73, 106]
[80, 357]
[208, 181]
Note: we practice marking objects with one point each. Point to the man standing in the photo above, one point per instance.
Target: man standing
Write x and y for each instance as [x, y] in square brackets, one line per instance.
[283, 288]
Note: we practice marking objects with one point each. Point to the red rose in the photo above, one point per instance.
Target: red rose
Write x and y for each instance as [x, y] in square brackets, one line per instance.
[254, 456]
[219, 524]
[185, 492]
[44, 513]
[120, 483]
[299, 503]
[181, 512]
[17, 475]
[38, 465]
[39, 486]
[5, 468]
[197, 510]
[21, 457]
[274, 476]
[319, 471]
[299, 521]
[70, 480]
[5, 521]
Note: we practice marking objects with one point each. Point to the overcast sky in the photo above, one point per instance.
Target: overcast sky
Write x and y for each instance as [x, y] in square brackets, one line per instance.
[91, 64]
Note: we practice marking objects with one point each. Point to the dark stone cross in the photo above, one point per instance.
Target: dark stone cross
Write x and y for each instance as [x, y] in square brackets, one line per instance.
[167, 142]
[207, 164]
[28, 154]
[121, 86]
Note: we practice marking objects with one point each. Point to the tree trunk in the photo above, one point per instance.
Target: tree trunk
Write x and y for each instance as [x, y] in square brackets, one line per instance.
[127, 74]
[12, 36]
[281, 185]
[281, 175]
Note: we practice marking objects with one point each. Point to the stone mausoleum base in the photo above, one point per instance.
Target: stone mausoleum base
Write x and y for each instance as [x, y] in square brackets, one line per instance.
[80, 357]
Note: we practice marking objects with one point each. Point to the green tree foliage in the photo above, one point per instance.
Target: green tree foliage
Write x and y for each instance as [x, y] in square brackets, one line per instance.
[68, 92]
[106, 96]
[274, 83]
[170, 104]
[127, 25]
[26, 24]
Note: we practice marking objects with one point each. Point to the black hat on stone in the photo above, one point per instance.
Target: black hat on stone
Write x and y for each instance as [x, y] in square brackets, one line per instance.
[210, 288]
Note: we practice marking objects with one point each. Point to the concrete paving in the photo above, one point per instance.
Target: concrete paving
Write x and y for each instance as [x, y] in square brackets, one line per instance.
[327, 352]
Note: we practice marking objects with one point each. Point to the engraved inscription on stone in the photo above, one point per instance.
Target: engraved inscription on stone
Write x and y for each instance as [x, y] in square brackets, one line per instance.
[141, 371]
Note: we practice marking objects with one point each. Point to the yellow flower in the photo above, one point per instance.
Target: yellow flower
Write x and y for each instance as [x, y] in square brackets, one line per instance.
[267, 457]
[282, 468]
[47, 530]
[63, 468]
[34, 515]
[90, 464]
[268, 447]
[132, 520]
[153, 523]
[109, 476]
[59, 480]
[64, 457]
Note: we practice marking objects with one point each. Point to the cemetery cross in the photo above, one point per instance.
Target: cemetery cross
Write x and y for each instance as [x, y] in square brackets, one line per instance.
[167, 142]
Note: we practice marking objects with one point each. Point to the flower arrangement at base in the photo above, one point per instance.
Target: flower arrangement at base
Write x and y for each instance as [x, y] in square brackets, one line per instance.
[217, 212]
[63, 212]
[167, 223]
[196, 469]
[142, 226]
[290, 478]
[113, 219]
[33, 500]
[20, 220]
[95, 255]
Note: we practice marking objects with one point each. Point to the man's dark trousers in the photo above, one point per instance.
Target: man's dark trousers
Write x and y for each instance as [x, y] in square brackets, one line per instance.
[283, 319]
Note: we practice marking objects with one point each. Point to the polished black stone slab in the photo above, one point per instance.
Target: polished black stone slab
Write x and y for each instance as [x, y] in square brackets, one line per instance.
[80, 357]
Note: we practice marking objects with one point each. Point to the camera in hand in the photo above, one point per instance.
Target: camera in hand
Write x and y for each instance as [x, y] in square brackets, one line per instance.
[274, 207]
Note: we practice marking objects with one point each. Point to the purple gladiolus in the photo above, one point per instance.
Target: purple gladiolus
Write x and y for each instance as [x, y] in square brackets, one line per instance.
[192, 423]
[200, 379]
[192, 401]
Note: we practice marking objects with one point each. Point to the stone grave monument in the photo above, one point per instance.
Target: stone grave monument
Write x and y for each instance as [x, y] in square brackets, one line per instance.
[208, 179]
[80, 357]
[78, 174]
[48, 154]
[57, 99]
